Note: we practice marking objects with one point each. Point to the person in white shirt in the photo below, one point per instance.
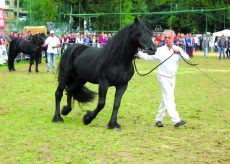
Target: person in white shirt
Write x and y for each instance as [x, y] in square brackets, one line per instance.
[166, 76]
[196, 41]
[53, 43]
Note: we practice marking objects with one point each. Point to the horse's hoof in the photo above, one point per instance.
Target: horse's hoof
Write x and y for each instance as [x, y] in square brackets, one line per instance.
[87, 118]
[57, 119]
[114, 126]
[65, 110]
[12, 70]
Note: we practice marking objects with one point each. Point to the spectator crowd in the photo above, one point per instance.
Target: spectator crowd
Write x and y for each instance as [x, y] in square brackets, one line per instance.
[188, 42]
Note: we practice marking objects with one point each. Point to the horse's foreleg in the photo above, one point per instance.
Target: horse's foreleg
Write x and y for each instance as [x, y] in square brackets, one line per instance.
[58, 96]
[120, 90]
[31, 63]
[36, 67]
[66, 109]
[90, 115]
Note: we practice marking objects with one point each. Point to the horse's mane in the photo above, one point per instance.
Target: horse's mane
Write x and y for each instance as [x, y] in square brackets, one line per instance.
[117, 48]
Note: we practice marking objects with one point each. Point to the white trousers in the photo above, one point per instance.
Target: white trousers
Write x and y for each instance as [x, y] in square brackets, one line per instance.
[167, 85]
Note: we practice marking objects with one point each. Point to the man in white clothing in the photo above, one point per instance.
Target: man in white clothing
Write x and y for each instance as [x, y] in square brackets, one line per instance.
[53, 43]
[166, 76]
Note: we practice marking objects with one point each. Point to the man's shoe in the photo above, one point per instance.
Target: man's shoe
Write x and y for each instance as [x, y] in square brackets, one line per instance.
[180, 123]
[159, 124]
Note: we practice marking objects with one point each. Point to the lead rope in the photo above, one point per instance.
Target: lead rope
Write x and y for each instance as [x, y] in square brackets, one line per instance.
[209, 77]
[134, 63]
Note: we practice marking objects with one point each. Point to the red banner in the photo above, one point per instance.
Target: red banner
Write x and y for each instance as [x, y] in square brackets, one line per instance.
[2, 19]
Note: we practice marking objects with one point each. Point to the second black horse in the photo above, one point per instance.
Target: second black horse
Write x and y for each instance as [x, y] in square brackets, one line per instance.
[33, 48]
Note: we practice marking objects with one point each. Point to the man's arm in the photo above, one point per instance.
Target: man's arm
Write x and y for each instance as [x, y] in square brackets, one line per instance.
[146, 56]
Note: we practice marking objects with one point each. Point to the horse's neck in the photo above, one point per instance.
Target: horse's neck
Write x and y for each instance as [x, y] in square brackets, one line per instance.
[128, 52]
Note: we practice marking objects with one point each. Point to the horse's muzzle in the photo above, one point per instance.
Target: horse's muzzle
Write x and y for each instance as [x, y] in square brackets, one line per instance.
[152, 50]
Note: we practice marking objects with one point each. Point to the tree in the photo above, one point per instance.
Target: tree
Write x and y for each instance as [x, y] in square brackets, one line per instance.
[113, 17]
[41, 10]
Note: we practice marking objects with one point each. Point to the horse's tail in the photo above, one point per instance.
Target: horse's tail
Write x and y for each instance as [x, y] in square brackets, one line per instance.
[11, 56]
[84, 95]
[66, 71]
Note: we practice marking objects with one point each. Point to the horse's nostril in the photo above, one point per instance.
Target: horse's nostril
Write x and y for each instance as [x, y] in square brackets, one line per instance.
[152, 48]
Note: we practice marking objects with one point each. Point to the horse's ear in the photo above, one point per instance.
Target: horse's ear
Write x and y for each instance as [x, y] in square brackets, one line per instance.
[148, 25]
[136, 20]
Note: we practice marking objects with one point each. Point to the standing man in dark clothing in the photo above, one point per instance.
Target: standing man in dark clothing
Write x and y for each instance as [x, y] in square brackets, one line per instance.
[222, 45]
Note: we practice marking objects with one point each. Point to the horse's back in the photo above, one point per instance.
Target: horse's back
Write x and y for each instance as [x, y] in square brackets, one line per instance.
[80, 61]
[21, 45]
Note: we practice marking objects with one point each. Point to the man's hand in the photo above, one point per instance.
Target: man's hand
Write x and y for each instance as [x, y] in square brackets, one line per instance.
[176, 50]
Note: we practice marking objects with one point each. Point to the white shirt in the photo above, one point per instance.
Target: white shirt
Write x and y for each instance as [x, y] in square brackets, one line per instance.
[169, 67]
[196, 40]
[78, 40]
[50, 42]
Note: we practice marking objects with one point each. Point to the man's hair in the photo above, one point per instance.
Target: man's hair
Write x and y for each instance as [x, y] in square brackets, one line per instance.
[167, 30]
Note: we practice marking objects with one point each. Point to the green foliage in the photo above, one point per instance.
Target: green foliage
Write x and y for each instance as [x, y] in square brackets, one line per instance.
[112, 20]
[44, 11]
[41, 10]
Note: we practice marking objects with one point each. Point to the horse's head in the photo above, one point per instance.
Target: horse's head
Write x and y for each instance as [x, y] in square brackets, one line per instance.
[38, 39]
[142, 35]
[43, 36]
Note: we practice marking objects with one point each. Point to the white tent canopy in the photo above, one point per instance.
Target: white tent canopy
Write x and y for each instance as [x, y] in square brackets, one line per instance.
[226, 32]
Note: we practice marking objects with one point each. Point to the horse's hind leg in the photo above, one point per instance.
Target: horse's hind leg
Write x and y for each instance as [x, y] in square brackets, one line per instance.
[11, 58]
[66, 109]
[90, 115]
[120, 90]
[71, 88]
[58, 96]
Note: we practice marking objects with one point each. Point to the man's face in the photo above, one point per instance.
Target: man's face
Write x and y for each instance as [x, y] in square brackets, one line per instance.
[168, 37]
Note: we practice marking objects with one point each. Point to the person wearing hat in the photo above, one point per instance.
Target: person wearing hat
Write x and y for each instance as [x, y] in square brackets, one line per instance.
[53, 43]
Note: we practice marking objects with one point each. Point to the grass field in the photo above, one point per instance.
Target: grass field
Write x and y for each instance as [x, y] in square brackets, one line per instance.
[27, 134]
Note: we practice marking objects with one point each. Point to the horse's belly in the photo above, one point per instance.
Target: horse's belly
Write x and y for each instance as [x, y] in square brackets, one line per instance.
[89, 76]
[119, 75]
[86, 71]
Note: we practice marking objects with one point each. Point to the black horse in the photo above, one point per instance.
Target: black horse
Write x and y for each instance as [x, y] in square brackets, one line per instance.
[108, 66]
[30, 47]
